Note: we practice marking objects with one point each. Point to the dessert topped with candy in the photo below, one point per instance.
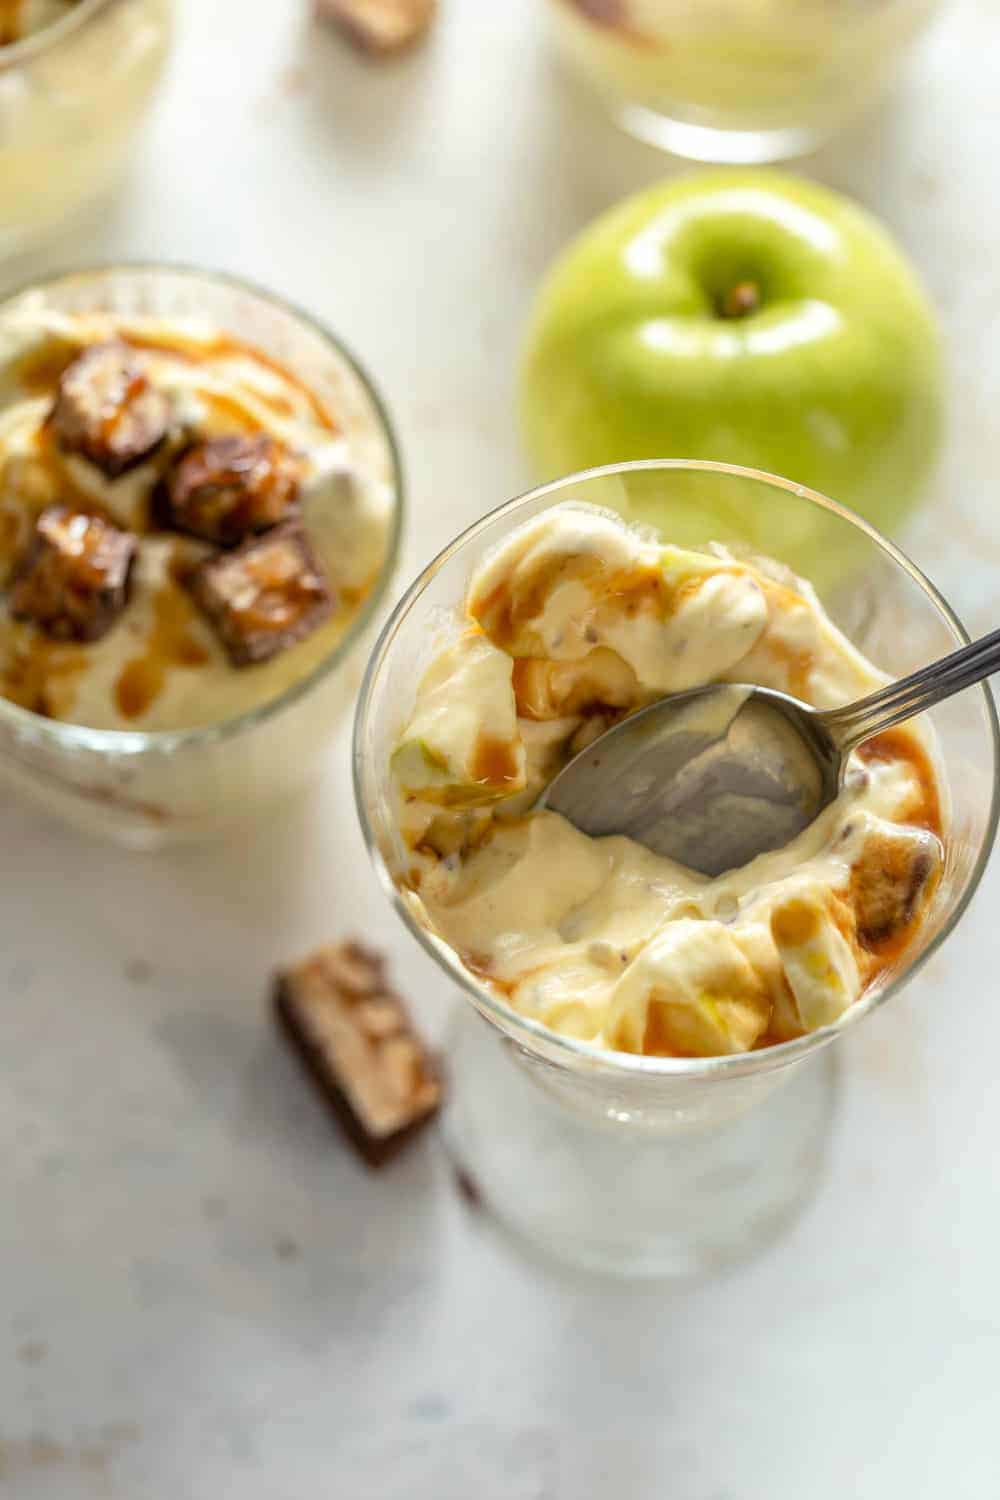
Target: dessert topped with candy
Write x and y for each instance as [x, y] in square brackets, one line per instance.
[185, 530]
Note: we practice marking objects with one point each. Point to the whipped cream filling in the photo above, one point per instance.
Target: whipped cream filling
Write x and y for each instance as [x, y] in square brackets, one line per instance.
[162, 666]
[574, 621]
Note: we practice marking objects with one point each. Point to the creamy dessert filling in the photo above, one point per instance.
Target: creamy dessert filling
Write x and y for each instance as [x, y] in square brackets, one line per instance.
[185, 531]
[573, 622]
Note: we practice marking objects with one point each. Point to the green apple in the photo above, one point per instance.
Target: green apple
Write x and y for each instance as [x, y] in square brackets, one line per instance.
[743, 316]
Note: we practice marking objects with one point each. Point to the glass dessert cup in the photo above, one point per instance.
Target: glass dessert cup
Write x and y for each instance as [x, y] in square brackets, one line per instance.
[641, 1165]
[147, 789]
[71, 100]
[738, 81]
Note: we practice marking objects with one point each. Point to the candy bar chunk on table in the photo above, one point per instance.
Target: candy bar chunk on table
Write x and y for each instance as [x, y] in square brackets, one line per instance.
[353, 1032]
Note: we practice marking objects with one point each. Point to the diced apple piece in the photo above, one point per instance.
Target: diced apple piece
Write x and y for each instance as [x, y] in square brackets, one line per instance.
[891, 880]
[819, 961]
[461, 746]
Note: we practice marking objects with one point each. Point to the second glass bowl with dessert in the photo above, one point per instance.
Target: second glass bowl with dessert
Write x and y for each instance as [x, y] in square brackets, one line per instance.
[736, 80]
[200, 505]
[76, 78]
[644, 1010]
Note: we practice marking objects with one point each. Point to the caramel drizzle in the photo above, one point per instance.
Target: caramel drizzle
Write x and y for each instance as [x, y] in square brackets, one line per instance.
[494, 761]
[902, 744]
[40, 370]
[169, 644]
[798, 663]
[229, 413]
[226, 346]
[503, 614]
[10, 22]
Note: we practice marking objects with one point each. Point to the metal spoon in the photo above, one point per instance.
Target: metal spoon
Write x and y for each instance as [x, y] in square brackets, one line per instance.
[713, 777]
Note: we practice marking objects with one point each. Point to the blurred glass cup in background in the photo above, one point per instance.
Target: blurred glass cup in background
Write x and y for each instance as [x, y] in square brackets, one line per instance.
[663, 1165]
[738, 81]
[71, 100]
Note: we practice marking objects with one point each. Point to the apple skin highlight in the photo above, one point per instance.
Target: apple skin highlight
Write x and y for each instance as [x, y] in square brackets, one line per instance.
[831, 374]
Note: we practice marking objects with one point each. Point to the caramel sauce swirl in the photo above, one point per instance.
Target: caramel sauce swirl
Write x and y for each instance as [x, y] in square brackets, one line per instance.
[170, 643]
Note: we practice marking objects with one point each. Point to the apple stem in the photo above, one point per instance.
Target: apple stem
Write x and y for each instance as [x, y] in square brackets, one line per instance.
[741, 299]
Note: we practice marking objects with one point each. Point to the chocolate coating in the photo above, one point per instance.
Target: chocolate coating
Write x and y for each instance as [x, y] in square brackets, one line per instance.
[228, 488]
[264, 596]
[107, 411]
[355, 1037]
[75, 580]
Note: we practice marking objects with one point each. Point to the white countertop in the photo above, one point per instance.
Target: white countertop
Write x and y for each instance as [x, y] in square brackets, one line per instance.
[204, 1295]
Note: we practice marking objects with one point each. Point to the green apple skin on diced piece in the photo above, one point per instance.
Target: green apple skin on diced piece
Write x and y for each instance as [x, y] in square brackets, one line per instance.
[747, 317]
[461, 746]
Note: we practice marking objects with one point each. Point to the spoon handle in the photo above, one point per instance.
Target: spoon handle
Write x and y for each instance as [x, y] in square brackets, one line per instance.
[901, 700]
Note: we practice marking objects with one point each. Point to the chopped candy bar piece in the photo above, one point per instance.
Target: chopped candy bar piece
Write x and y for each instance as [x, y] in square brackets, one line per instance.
[107, 411]
[891, 880]
[379, 26]
[264, 596]
[227, 488]
[353, 1033]
[75, 580]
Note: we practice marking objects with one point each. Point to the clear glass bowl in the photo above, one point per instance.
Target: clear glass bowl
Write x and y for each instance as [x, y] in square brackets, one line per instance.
[650, 1165]
[71, 100]
[736, 80]
[149, 789]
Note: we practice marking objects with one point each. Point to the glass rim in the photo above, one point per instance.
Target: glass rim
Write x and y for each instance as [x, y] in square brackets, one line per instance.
[125, 742]
[525, 1029]
[39, 42]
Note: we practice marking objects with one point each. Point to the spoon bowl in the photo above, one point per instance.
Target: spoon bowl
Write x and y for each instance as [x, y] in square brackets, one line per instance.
[713, 777]
[709, 778]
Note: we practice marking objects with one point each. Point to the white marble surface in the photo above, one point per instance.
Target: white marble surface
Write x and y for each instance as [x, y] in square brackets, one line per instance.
[203, 1294]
